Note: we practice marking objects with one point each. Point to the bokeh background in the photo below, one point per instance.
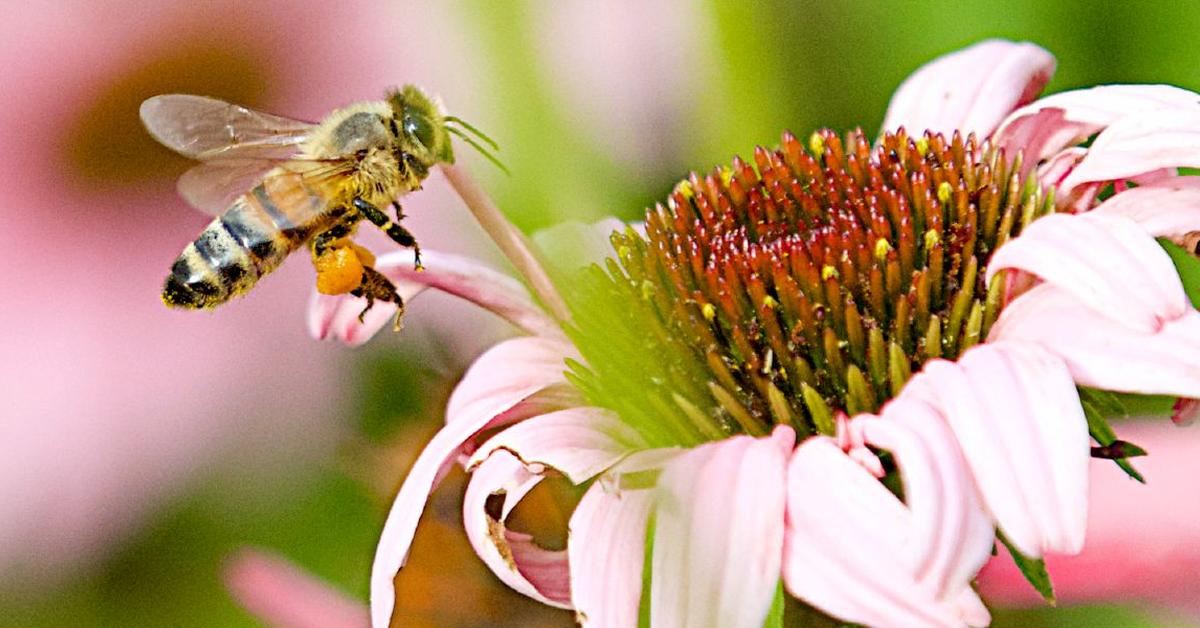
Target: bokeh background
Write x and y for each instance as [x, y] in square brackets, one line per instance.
[141, 449]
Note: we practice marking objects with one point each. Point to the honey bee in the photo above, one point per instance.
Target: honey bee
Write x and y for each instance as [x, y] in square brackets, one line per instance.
[277, 184]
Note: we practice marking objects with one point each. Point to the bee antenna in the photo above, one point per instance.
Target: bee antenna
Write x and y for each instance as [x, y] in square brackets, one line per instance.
[480, 134]
[482, 151]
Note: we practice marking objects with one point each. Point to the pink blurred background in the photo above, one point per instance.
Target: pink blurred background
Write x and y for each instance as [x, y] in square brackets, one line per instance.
[140, 446]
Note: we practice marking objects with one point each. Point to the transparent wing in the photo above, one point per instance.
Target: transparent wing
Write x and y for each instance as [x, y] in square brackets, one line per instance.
[212, 186]
[206, 128]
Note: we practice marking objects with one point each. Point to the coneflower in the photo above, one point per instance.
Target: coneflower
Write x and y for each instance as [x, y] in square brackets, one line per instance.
[837, 370]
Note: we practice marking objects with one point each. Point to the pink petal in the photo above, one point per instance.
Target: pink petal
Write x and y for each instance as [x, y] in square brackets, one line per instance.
[1019, 422]
[1105, 261]
[1143, 544]
[845, 547]
[1101, 352]
[496, 487]
[488, 397]
[970, 90]
[953, 535]
[1139, 144]
[577, 442]
[1166, 207]
[508, 370]
[280, 594]
[337, 316]
[1052, 173]
[718, 533]
[1055, 122]
[1185, 412]
[607, 551]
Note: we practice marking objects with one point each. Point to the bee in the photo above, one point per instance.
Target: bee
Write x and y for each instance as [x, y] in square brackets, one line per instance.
[276, 185]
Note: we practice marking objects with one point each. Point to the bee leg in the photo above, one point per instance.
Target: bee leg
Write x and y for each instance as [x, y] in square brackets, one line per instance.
[327, 239]
[399, 210]
[397, 233]
[376, 286]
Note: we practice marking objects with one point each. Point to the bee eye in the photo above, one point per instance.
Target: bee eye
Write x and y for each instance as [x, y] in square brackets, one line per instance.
[420, 128]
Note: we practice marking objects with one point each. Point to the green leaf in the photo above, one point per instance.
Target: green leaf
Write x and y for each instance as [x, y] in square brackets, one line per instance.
[1097, 405]
[1118, 449]
[1034, 570]
[775, 615]
[1187, 266]
[644, 603]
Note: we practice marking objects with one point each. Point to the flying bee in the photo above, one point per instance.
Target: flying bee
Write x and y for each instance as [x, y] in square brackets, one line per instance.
[277, 185]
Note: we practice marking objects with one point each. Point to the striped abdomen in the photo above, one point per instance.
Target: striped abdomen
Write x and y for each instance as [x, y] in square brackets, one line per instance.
[249, 240]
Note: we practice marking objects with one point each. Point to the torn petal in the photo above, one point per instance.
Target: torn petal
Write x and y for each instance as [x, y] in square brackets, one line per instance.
[1017, 417]
[1104, 353]
[970, 90]
[496, 487]
[719, 532]
[1105, 261]
[337, 316]
[607, 550]
[844, 550]
[491, 398]
[578, 442]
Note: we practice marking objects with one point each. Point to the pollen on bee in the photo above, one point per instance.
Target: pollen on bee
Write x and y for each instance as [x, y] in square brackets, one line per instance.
[339, 270]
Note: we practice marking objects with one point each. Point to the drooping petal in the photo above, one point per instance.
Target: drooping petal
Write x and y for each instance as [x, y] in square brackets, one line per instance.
[491, 396]
[718, 533]
[845, 547]
[1105, 261]
[578, 442]
[505, 373]
[1055, 122]
[337, 316]
[1104, 353]
[280, 594]
[607, 551]
[970, 90]
[1167, 207]
[1143, 544]
[1138, 144]
[1019, 422]
[496, 487]
[953, 535]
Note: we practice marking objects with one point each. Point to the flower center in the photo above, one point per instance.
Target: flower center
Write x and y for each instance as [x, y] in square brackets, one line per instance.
[812, 283]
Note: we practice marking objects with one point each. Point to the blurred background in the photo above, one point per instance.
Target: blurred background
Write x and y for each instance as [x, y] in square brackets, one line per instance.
[141, 448]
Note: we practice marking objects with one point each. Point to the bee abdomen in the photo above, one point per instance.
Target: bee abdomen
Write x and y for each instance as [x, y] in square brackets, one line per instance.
[214, 268]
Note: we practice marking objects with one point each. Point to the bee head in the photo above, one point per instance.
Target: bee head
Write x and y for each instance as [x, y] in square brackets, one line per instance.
[421, 125]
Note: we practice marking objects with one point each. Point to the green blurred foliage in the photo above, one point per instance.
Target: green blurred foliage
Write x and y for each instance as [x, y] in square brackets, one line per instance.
[775, 65]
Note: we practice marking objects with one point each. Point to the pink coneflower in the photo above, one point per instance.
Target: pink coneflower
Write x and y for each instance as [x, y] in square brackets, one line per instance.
[839, 371]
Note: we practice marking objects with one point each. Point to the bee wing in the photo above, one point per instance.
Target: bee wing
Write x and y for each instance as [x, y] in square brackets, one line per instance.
[212, 186]
[206, 128]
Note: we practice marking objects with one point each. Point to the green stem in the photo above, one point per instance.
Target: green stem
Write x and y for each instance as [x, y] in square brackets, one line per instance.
[513, 244]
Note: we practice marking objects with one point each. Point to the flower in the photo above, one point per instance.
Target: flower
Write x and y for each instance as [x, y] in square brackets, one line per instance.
[282, 594]
[843, 368]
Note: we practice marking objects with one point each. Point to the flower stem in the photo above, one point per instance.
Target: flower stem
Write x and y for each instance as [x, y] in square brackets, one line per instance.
[513, 244]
